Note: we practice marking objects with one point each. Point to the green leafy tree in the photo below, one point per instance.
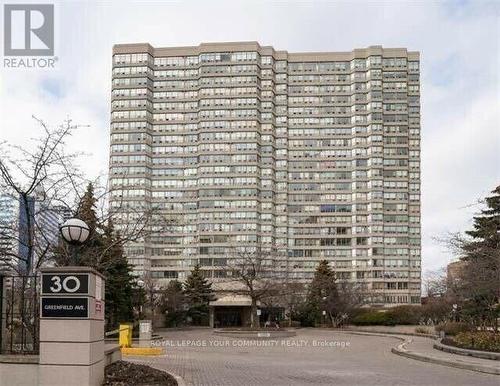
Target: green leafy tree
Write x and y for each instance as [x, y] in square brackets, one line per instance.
[198, 293]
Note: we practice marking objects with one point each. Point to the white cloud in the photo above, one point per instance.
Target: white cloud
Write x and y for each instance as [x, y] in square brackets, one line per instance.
[459, 44]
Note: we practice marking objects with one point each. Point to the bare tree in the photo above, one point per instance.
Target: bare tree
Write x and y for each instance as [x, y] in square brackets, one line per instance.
[35, 178]
[436, 283]
[153, 294]
[477, 287]
[132, 224]
[289, 295]
[258, 274]
[43, 173]
[45, 180]
[350, 296]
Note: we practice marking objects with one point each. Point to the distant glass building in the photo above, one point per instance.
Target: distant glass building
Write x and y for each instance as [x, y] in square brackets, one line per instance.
[9, 212]
[39, 223]
[308, 156]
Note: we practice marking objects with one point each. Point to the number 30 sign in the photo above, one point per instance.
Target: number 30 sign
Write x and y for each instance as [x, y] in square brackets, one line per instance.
[53, 283]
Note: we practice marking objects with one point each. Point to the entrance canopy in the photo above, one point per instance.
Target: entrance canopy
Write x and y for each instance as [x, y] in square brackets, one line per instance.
[230, 310]
[232, 301]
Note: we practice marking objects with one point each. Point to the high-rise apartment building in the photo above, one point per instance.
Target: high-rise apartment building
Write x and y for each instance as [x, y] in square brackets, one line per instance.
[9, 213]
[22, 225]
[308, 156]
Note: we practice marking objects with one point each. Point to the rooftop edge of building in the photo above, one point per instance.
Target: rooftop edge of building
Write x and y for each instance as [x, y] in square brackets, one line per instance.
[133, 48]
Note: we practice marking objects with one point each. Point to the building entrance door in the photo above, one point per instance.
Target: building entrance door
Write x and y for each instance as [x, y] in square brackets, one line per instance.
[228, 317]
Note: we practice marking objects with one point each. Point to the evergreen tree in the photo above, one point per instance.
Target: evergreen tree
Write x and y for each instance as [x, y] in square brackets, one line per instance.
[486, 236]
[87, 207]
[479, 282]
[323, 293]
[323, 284]
[103, 251]
[120, 282]
[173, 304]
[88, 253]
[198, 293]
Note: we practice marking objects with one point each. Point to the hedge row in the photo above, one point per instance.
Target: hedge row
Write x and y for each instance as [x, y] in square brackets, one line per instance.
[391, 317]
[377, 318]
[453, 328]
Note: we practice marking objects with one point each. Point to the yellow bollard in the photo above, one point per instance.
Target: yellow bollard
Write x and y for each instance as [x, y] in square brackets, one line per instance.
[125, 337]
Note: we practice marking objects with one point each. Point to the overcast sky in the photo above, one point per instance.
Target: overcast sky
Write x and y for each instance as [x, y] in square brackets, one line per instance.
[460, 65]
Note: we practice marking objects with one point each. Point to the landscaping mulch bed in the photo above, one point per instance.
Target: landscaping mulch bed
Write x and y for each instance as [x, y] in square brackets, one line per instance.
[123, 373]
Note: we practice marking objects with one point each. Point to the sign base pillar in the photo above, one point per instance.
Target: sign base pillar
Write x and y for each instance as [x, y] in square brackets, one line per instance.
[72, 327]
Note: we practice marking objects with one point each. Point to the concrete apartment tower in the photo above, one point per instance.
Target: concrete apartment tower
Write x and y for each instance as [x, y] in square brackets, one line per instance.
[308, 156]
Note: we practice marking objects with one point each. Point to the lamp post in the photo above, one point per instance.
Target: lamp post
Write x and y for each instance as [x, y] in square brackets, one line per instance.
[141, 283]
[324, 311]
[454, 312]
[75, 232]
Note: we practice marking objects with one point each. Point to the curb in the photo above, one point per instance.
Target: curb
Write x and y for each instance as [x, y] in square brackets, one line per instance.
[178, 378]
[402, 351]
[466, 352]
[431, 336]
[256, 334]
[141, 351]
[383, 334]
[184, 328]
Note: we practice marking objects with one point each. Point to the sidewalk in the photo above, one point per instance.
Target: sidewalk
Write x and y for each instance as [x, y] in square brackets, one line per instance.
[421, 348]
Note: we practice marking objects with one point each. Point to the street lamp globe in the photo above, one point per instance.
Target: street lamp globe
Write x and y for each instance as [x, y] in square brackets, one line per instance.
[74, 231]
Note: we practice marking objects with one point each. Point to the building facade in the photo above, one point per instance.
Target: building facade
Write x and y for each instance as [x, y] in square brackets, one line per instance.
[9, 214]
[23, 225]
[307, 156]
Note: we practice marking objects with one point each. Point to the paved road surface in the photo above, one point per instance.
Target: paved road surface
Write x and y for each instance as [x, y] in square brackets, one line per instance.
[313, 357]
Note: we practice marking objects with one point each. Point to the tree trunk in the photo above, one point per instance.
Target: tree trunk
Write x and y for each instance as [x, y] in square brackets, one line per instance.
[253, 313]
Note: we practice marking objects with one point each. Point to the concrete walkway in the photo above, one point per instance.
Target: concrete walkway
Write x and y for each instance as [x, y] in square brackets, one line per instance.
[421, 347]
[424, 347]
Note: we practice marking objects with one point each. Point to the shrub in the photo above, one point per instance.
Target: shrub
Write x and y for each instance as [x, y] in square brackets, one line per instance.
[376, 318]
[306, 315]
[478, 340]
[405, 314]
[436, 310]
[355, 313]
[423, 330]
[453, 328]
[175, 319]
[295, 323]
